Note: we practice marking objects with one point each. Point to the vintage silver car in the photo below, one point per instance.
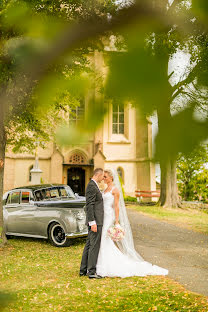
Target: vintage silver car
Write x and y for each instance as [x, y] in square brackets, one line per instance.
[50, 211]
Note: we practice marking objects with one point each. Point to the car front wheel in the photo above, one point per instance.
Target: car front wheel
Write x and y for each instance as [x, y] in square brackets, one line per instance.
[57, 236]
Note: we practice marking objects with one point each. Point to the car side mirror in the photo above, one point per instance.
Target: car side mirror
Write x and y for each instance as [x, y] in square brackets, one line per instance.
[76, 194]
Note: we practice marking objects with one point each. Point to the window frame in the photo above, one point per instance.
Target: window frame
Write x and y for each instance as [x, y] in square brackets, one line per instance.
[68, 191]
[122, 173]
[30, 175]
[120, 111]
[10, 194]
[30, 197]
[119, 138]
[74, 116]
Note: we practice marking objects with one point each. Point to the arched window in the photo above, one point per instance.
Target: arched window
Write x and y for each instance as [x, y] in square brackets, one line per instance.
[76, 159]
[30, 175]
[121, 173]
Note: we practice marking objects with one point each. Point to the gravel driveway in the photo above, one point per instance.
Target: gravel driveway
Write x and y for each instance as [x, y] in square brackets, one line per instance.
[183, 252]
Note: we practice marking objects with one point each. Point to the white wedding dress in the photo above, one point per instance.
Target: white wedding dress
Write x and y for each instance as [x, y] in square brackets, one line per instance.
[111, 261]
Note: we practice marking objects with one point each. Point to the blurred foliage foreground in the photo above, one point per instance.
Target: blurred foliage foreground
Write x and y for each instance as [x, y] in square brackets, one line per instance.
[44, 68]
[46, 278]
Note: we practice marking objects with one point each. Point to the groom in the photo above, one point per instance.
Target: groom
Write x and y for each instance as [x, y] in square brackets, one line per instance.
[94, 220]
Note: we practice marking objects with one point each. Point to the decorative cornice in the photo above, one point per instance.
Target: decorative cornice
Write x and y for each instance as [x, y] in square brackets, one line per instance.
[27, 157]
[119, 142]
[129, 160]
[106, 160]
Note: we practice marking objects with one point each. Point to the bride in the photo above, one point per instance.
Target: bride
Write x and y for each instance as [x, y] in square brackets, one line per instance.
[119, 260]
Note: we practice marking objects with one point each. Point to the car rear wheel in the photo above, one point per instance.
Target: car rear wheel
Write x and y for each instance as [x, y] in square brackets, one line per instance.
[57, 236]
[9, 236]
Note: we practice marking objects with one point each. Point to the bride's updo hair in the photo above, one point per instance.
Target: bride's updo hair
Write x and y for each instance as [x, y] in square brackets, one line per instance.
[109, 172]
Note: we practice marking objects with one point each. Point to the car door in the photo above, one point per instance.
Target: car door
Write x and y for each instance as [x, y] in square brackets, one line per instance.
[27, 223]
[20, 212]
[13, 211]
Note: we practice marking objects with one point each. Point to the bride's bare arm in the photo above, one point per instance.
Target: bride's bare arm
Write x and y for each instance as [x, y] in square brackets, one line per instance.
[116, 195]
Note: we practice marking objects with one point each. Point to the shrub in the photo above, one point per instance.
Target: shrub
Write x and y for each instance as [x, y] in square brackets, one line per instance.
[130, 199]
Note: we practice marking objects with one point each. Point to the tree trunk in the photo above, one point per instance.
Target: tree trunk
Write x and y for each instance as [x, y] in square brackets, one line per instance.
[169, 191]
[186, 195]
[174, 187]
[2, 162]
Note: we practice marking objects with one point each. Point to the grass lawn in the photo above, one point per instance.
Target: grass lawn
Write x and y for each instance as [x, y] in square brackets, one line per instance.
[45, 278]
[188, 218]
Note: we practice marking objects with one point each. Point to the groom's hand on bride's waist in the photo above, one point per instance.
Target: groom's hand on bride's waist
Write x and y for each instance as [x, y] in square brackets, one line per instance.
[94, 227]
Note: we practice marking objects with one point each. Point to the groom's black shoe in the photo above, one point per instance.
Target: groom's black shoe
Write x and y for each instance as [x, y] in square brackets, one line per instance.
[95, 276]
[82, 273]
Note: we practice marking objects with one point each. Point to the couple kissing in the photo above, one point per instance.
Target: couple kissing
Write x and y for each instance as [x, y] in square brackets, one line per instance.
[102, 257]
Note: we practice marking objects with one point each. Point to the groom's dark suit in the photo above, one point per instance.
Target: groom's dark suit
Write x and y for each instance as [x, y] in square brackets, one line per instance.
[94, 212]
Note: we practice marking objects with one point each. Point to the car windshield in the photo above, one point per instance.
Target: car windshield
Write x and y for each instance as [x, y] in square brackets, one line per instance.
[54, 193]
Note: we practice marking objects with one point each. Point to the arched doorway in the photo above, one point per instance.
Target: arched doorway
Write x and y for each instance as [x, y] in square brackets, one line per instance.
[76, 180]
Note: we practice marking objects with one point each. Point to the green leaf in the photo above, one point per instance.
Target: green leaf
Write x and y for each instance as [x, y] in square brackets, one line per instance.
[138, 76]
[182, 133]
[200, 7]
[69, 135]
[58, 84]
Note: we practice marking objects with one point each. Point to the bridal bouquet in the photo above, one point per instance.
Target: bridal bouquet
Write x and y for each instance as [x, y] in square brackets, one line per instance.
[116, 232]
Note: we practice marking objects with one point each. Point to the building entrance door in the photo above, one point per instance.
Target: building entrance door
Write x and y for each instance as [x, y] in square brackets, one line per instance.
[76, 180]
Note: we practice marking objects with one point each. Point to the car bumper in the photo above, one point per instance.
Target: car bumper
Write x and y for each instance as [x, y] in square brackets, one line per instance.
[74, 235]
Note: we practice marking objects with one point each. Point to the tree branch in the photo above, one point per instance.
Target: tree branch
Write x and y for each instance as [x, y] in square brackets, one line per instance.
[179, 91]
[171, 74]
[174, 5]
[191, 76]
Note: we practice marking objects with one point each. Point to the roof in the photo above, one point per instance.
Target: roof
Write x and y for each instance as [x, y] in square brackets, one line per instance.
[38, 186]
